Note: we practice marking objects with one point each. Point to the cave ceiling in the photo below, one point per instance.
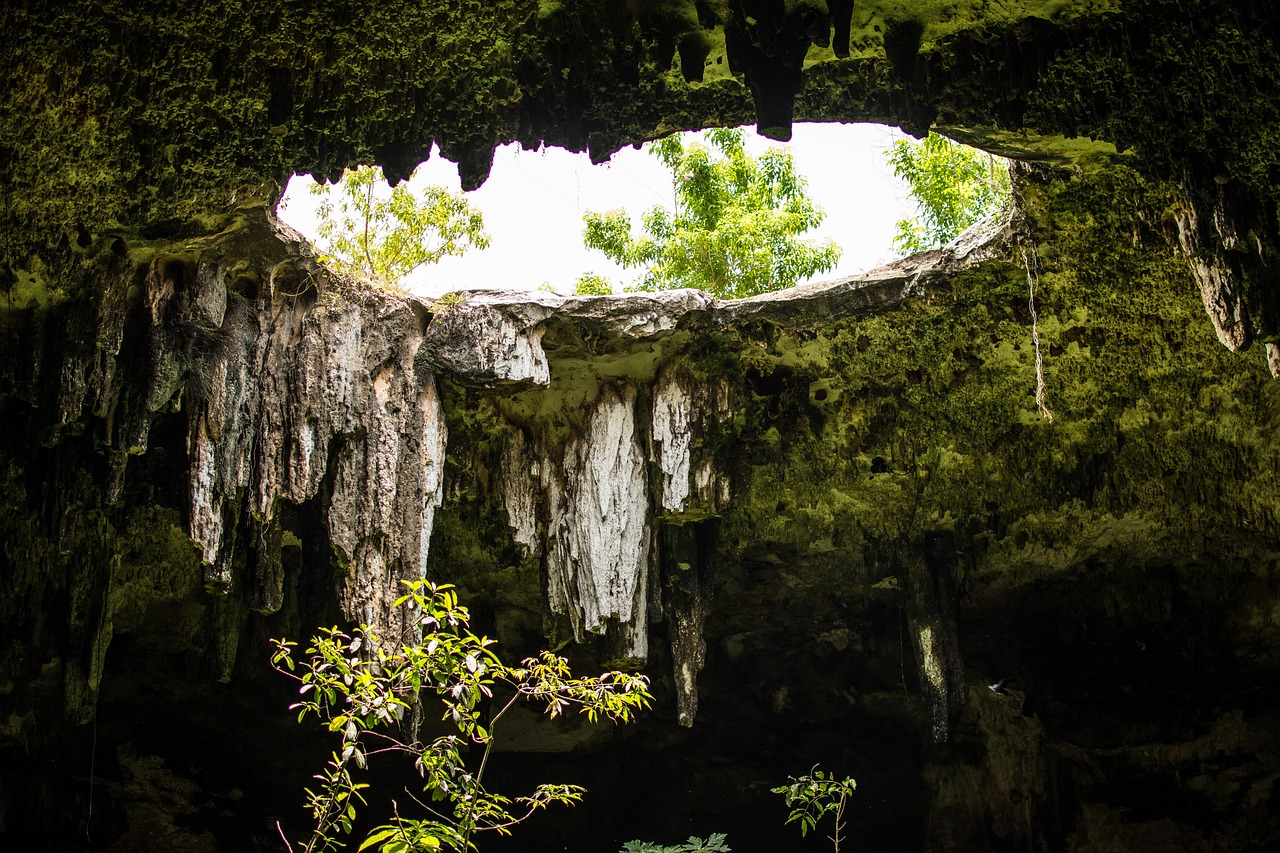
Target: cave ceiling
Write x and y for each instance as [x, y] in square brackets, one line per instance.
[145, 120]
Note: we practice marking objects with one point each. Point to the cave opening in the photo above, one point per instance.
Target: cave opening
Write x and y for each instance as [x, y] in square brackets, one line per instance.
[534, 204]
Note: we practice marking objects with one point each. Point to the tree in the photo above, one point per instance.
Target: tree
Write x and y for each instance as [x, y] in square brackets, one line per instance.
[390, 234]
[735, 227]
[361, 688]
[953, 185]
[815, 795]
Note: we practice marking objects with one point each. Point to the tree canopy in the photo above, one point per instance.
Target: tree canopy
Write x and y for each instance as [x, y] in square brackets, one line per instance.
[735, 227]
[953, 185]
[390, 234]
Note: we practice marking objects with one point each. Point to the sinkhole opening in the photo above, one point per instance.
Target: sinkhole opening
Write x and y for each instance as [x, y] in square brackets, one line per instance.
[726, 211]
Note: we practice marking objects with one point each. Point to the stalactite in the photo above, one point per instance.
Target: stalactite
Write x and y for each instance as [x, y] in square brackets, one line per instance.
[686, 410]
[686, 561]
[931, 619]
[299, 394]
[1207, 247]
[520, 491]
[672, 437]
[598, 506]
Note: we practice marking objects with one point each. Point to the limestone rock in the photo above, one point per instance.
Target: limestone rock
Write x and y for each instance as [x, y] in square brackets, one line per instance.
[330, 398]
[598, 559]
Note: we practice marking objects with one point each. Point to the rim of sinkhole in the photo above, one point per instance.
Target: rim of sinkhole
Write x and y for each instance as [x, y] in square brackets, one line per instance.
[534, 201]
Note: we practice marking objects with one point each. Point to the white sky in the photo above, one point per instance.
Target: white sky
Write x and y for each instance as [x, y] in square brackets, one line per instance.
[534, 200]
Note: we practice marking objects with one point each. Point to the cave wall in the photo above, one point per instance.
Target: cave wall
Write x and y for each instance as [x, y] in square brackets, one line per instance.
[823, 521]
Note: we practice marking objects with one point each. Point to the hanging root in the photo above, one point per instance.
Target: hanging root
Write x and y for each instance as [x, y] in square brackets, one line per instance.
[1033, 279]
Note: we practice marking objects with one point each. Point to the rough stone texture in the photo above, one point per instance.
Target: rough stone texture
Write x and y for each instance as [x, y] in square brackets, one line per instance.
[598, 549]
[308, 397]
[838, 506]
[486, 344]
[685, 409]
[196, 116]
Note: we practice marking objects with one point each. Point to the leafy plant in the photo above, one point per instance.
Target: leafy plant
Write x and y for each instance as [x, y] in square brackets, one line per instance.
[447, 303]
[590, 284]
[814, 796]
[389, 232]
[361, 688]
[713, 844]
[735, 227]
[953, 185]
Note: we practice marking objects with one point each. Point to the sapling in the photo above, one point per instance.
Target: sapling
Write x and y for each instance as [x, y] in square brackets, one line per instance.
[815, 795]
[361, 688]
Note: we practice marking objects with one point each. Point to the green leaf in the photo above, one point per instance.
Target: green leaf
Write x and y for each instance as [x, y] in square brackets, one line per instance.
[379, 835]
[953, 187]
[388, 232]
[735, 228]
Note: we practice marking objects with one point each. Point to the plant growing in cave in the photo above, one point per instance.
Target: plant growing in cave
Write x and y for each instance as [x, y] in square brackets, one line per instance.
[715, 843]
[389, 232]
[361, 688]
[814, 796]
[735, 230]
[953, 186]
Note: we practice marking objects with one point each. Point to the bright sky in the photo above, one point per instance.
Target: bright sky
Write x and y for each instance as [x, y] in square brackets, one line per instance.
[534, 200]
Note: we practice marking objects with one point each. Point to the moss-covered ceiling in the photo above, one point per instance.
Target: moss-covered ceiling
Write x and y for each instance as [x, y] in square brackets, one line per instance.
[153, 120]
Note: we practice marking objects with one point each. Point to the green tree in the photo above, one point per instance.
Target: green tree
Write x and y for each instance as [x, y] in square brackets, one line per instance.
[735, 227]
[953, 186]
[815, 795]
[361, 688]
[389, 232]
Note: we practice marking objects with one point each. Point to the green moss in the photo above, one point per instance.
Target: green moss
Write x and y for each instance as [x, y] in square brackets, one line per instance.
[942, 20]
[1160, 443]
[1215, 68]
[159, 567]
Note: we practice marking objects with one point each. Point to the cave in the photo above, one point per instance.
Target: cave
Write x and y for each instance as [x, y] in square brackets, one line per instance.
[840, 524]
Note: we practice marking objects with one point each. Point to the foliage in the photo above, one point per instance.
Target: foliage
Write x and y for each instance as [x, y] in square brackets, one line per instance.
[713, 844]
[814, 796]
[360, 688]
[590, 284]
[447, 302]
[388, 235]
[734, 231]
[953, 185]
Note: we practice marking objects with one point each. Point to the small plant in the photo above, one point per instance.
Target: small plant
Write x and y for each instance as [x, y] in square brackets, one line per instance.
[713, 844]
[447, 302]
[815, 795]
[361, 688]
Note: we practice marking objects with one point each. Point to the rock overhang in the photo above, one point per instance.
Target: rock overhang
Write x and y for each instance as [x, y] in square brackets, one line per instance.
[128, 127]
